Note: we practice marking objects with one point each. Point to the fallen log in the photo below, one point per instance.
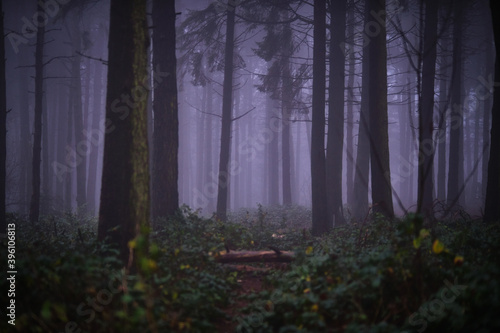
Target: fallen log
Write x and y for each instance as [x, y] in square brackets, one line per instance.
[255, 256]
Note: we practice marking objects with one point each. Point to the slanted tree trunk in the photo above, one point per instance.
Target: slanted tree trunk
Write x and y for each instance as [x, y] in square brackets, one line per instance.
[335, 141]
[425, 119]
[37, 136]
[492, 204]
[3, 127]
[227, 99]
[125, 204]
[320, 220]
[379, 138]
[166, 123]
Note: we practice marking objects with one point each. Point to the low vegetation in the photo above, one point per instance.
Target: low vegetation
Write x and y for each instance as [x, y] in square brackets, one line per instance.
[377, 276]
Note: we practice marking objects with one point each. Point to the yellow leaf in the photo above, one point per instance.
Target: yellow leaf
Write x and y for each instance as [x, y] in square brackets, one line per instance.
[459, 260]
[314, 308]
[416, 242]
[424, 233]
[132, 244]
[437, 246]
[309, 250]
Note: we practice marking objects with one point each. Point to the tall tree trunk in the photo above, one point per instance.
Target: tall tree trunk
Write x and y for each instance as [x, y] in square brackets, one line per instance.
[350, 163]
[441, 174]
[125, 204]
[320, 220]
[95, 138]
[286, 105]
[24, 138]
[361, 176]
[208, 151]
[456, 168]
[335, 141]
[227, 99]
[492, 204]
[37, 136]
[166, 123]
[487, 105]
[80, 144]
[272, 156]
[3, 127]
[379, 138]
[426, 112]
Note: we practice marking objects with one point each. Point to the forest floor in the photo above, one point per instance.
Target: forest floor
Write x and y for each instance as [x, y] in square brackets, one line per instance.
[378, 276]
[250, 282]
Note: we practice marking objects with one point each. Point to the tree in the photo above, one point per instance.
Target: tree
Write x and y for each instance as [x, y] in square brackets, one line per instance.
[124, 207]
[335, 139]
[379, 138]
[492, 202]
[227, 99]
[165, 193]
[425, 119]
[361, 176]
[320, 220]
[3, 126]
[455, 165]
[37, 136]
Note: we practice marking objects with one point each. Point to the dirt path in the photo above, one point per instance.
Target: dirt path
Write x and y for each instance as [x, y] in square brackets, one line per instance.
[248, 283]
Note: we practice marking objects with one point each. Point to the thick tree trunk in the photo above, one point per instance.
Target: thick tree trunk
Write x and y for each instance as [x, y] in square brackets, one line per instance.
[125, 204]
[3, 127]
[335, 141]
[227, 99]
[379, 138]
[492, 204]
[320, 221]
[37, 136]
[166, 123]
[210, 196]
[426, 125]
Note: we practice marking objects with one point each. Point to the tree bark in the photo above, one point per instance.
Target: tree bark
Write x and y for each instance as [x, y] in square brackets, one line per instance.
[426, 112]
[166, 123]
[379, 138]
[37, 136]
[320, 220]
[456, 167]
[227, 99]
[335, 140]
[125, 202]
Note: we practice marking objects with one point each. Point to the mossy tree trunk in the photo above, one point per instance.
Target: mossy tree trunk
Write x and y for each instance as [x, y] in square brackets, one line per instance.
[124, 207]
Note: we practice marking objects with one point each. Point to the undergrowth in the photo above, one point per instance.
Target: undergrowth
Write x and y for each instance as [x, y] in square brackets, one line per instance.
[378, 276]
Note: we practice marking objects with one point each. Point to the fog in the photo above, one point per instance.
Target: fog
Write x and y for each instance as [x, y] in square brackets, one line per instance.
[271, 108]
